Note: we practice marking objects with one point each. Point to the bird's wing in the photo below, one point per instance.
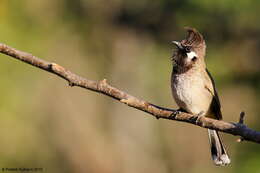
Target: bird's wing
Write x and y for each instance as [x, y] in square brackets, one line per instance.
[215, 104]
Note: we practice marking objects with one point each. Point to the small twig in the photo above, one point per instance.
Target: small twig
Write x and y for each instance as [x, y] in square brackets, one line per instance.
[241, 121]
[103, 87]
[241, 117]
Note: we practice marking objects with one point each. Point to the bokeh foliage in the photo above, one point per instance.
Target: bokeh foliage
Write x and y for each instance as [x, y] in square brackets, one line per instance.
[44, 123]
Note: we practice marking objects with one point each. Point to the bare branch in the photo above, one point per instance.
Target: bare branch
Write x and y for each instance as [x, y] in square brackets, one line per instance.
[103, 87]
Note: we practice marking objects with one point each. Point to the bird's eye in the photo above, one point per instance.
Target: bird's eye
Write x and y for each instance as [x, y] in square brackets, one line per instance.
[194, 58]
[187, 49]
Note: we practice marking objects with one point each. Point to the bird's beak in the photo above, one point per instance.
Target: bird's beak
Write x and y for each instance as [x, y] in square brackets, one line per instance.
[178, 45]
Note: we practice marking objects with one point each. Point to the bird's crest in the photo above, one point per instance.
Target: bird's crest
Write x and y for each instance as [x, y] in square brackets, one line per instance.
[194, 38]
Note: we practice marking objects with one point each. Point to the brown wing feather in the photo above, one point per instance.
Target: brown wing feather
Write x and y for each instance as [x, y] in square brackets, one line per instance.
[215, 104]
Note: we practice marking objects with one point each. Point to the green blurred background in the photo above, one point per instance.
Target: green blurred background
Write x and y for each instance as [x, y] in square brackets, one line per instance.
[44, 123]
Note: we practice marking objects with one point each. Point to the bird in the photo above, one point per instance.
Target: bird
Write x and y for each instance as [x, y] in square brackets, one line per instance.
[193, 88]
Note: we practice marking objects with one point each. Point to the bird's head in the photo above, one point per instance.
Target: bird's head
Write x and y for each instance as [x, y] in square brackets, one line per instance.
[190, 52]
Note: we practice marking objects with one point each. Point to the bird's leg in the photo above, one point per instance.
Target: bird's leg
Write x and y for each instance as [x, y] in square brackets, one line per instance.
[176, 113]
[199, 116]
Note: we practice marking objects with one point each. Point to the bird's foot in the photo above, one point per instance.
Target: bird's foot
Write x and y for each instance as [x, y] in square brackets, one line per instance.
[199, 116]
[176, 113]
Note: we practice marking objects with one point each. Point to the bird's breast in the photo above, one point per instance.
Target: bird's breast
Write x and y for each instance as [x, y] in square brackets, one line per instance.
[190, 93]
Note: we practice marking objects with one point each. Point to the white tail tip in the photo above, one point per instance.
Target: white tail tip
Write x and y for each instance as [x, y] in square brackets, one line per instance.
[223, 160]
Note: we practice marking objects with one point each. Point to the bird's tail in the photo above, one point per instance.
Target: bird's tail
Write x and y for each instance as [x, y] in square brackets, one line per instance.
[218, 152]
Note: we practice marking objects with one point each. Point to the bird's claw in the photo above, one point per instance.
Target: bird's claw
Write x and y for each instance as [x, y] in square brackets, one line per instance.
[199, 116]
[175, 114]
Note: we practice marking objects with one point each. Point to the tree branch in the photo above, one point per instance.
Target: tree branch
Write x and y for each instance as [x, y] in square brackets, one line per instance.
[103, 87]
